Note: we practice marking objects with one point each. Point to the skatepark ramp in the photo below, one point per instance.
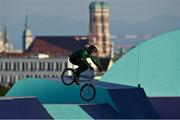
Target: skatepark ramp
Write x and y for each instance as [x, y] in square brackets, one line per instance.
[100, 111]
[167, 107]
[22, 108]
[112, 101]
[133, 103]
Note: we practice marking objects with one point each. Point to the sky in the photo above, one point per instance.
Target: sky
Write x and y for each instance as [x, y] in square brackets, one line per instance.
[12, 12]
[125, 10]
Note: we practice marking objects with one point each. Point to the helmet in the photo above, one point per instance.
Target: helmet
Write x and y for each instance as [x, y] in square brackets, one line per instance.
[92, 48]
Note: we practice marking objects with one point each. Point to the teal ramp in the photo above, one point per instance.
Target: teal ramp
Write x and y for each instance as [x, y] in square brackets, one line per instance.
[64, 102]
[66, 111]
[61, 101]
[155, 64]
[49, 91]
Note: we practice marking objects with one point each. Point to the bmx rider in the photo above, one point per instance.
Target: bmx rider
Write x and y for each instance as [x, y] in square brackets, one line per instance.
[79, 58]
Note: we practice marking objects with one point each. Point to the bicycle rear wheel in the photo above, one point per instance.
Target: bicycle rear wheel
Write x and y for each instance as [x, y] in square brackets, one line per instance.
[87, 92]
[68, 76]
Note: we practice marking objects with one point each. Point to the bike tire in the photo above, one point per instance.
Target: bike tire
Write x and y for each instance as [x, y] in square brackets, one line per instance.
[68, 80]
[84, 88]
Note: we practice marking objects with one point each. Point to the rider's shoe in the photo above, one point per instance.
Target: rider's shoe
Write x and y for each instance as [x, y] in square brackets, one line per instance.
[77, 81]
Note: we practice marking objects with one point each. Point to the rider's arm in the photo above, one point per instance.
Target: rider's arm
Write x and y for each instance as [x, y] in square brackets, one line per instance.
[94, 59]
[84, 58]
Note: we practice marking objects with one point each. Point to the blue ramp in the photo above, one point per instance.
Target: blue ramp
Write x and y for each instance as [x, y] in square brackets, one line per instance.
[167, 107]
[101, 111]
[133, 103]
[22, 108]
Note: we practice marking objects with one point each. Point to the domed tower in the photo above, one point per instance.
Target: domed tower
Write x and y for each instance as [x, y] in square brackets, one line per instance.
[27, 35]
[96, 26]
[99, 28]
[105, 29]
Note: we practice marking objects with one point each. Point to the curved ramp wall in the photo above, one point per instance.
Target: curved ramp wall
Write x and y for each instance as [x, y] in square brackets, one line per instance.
[155, 64]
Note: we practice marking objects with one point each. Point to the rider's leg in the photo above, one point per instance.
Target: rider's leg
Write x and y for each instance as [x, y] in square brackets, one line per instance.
[76, 61]
[77, 76]
[82, 67]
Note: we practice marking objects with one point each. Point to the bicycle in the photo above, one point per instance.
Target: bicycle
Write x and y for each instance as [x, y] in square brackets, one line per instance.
[87, 91]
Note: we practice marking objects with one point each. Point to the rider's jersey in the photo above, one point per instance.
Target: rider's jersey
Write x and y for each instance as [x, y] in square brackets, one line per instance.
[83, 54]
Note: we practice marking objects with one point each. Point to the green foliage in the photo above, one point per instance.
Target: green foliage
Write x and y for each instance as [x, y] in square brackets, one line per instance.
[4, 89]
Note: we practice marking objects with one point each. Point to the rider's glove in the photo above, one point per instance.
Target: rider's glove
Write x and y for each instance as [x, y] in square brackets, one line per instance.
[91, 68]
[100, 69]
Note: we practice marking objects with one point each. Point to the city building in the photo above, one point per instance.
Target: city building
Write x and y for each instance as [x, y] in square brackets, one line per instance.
[17, 66]
[47, 56]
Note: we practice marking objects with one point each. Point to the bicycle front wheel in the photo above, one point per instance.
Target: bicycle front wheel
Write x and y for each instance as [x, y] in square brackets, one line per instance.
[87, 92]
[68, 76]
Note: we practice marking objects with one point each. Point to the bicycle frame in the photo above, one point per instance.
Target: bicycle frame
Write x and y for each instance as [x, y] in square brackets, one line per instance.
[87, 75]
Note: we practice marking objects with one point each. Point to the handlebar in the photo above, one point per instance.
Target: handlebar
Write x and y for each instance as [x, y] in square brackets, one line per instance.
[96, 71]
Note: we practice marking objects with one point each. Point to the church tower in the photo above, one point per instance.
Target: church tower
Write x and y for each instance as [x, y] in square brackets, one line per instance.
[5, 44]
[99, 28]
[27, 35]
[1, 41]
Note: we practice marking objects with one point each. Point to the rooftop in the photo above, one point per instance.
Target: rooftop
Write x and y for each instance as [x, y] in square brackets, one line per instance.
[58, 44]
